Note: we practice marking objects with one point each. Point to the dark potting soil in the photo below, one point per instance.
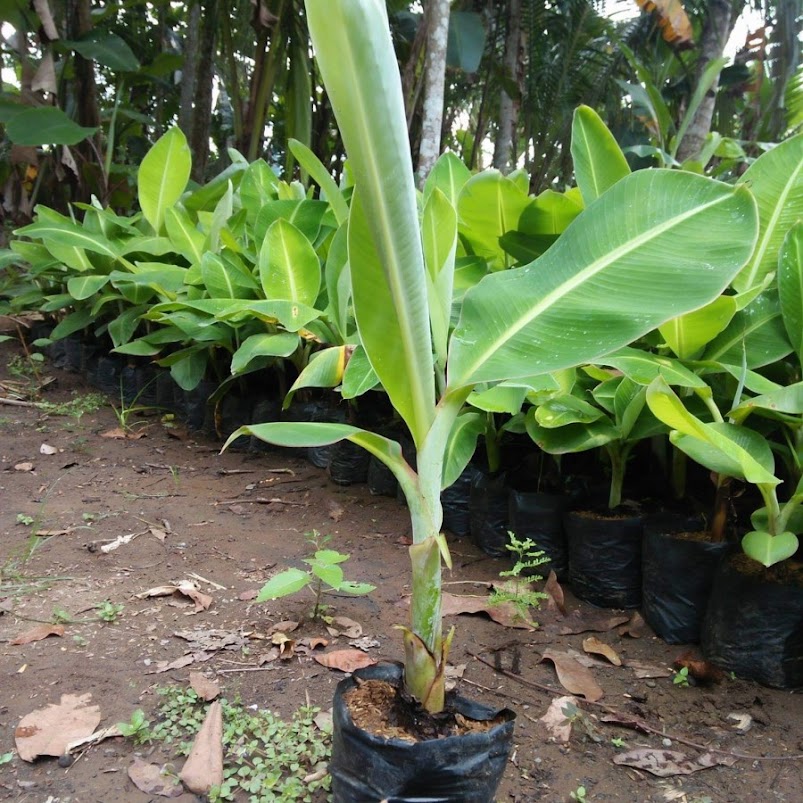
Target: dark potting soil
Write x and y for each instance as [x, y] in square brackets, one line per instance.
[786, 573]
[382, 709]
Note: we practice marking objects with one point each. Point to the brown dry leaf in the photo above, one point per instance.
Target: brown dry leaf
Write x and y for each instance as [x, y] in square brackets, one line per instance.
[344, 660]
[336, 512]
[306, 645]
[179, 663]
[324, 721]
[246, 596]
[50, 533]
[554, 592]
[154, 780]
[504, 614]
[558, 725]
[675, 25]
[287, 626]
[365, 643]
[205, 688]
[212, 639]
[453, 674]
[593, 645]
[286, 645]
[573, 677]
[185, 588]
[203, 768]
[643, 670]
[23, 467]
[47, 731]
[582, 658]
[343, 626]
[46, 448]
[38, 633]
[666, 763]
[700, 669]
[123, 435]
[626, 721]
[635, 627]
[158, 533]
[267, 657]
[591, 621]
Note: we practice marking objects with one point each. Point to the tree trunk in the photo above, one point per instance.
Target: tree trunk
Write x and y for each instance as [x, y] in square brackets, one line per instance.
[202, 101]
[719, 22]
[509, 106]
[432, 119]
[188, 71]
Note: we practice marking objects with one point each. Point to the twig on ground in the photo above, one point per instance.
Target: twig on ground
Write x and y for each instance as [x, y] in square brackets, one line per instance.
[258, 501]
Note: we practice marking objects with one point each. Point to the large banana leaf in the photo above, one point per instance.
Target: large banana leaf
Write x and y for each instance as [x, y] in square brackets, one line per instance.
[615, 274]
[776, 181]
[598, 160]
[163, 175]
[790, 286]
[385, 253]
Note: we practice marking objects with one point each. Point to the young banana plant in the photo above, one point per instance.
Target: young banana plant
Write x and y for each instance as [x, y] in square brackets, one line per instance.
[653, 245]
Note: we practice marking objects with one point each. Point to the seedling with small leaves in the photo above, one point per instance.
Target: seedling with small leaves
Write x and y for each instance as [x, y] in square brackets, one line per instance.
[579, 794]
[137, 728]
[324, 576]
[519, 590]
[681, 677]
[108, 611]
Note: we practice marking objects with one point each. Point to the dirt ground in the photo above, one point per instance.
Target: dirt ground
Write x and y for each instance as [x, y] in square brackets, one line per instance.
[208, 517]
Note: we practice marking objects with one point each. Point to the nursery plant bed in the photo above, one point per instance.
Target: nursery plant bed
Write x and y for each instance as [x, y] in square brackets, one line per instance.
[214, 519]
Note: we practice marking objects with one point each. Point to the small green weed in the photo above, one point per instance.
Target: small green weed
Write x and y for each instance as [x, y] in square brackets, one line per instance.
[579, 794]
[519, 589]
[681, 677]
[264, 756]
[324, 570]
[76, 407]
[5, 758]
[108, 611]
[27, 521]
[137, 728]
[618, 742]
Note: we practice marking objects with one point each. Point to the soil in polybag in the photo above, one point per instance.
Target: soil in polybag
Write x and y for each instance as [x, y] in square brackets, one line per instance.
[754, 622]
[677, 574]
[605, 558]
[488, 510]
[395, 765]
[539, 516]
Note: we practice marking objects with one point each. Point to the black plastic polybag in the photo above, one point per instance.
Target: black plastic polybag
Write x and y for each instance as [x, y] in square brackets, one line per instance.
[381, 481]
[488, 510]
[348, 463]
[754, 624]
[605, 559]
[455, 499]
[455, 769]
[677, 575]
[539, 516]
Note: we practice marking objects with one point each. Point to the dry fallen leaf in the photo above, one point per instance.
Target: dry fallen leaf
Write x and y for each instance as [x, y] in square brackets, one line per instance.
[46, 448]
[665, 763]
[203, 768]
[453, 674]
[305, 646]
[587, 621]
[504, 614]
[742, 722]
[698, 668]
[23, 467]
[643, 670]
[324, 721]
[558, 725]
[554, 592]
[122, 435]
[344, 660]
[205, 688]
[246, 596]
[593, 645]
[158, 533]
[51, 533]
[38, 633]
[635, 627]
[287, 626]
[154, 780]
[573, 677]
[47, 731]
[336, 512]
[343, 626]
[185, 588]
